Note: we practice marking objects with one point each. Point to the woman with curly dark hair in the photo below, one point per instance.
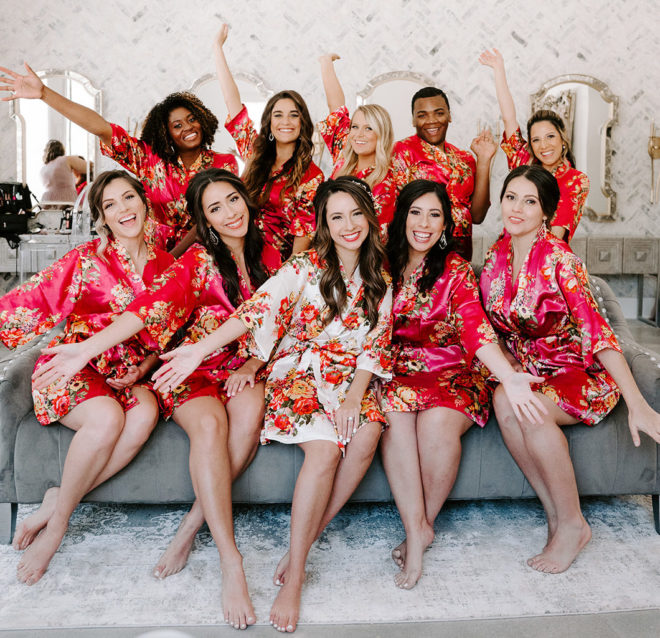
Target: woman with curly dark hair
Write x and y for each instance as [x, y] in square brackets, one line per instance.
[280, 175]
[438, 388]
[175, 145]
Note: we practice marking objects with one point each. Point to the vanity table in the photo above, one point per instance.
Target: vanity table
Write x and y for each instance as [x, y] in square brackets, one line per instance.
[37, 251]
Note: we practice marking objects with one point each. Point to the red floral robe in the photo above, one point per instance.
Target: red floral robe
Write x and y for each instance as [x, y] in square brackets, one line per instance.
[414, 158]
[286, 214]
[191, 293]
[335, 129]
[89, 292]
[434, 340]
[573, 184]
[550, 322]
[311, 367]
[165, 184]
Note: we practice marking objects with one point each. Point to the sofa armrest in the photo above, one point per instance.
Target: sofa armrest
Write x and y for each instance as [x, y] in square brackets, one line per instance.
[15, 402]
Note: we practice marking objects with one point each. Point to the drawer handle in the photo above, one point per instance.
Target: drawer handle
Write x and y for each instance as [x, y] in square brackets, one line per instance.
[604, 255]
[641, 255]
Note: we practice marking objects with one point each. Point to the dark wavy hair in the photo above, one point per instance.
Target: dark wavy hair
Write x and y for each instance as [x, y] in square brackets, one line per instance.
[428, 91]
[371, 256]
[257, 177]
[95, 200]
[221, 254]
[546, 186]
[156, 134]
[545, 115]
[53, 150]
[397, 248]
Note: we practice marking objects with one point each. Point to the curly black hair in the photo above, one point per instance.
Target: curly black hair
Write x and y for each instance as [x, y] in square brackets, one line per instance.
[154, 130]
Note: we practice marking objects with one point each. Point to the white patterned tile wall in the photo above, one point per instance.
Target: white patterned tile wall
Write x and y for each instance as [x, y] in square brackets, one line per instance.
[138, 51]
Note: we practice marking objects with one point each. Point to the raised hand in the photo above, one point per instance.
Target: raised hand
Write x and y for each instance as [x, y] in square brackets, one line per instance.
[484, 145]
[27, 86]
[222, 34]
[493, 59]
[181, 363]
[524, 402]
[68, 360]
[330, 57]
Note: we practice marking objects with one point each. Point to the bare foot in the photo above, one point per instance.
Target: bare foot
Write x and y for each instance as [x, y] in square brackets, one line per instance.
[236, 603]
[280, 570]
[416, 545]
[399, 554]
[37, 557]
[285, 611]
[552, 528]
[561, 551]
[28, 529]
[175, 557]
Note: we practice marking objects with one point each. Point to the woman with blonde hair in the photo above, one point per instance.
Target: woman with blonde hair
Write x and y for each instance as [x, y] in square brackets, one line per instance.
[360, 145]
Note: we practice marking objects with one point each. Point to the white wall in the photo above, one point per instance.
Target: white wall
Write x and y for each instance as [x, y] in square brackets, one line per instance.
[138, 51]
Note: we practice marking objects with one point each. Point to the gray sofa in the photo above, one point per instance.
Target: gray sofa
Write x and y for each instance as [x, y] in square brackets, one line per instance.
[31, 456]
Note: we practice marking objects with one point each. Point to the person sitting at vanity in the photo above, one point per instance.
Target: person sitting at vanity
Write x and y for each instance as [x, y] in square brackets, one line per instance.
[427, 155]
[57, 173]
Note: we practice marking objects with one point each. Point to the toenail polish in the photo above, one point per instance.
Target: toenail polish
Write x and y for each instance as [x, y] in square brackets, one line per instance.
[289, 628]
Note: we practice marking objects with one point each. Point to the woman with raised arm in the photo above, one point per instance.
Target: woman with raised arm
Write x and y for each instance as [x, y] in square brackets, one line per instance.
[441, 345]
[537, 296]
[175, 145]
[280, 175]
[219, 406]
[360, 146]
[107, 403]
[547, 145]
[59, 173]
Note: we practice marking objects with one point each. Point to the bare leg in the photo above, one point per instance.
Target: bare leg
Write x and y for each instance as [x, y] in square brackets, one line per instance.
[352, 468]
[515, 442]
[205, 422]
[245, 412]
[99, 422]
[310, 500]
[139, 422]
[548, 451]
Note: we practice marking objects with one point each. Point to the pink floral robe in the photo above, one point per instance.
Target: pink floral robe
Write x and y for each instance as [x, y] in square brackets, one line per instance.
[573, 184]
[550, 322]
[334, 130]
[434, 340]
[311, 367]
[191, 293]
[286, 215]
[89, 292]
[165, 184]
[414, 158]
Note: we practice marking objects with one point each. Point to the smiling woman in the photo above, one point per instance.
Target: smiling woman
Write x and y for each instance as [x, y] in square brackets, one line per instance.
[174, 146]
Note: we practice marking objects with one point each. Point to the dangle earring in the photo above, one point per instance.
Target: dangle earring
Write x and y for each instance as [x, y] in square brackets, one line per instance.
[270, 137]
[213, 237]
[442, 242]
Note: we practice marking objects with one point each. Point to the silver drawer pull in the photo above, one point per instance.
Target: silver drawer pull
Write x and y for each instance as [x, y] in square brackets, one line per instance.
[641, 255]
[604, 255]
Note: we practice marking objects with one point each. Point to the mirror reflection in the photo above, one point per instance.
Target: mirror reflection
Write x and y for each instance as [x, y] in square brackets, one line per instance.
[37, 124]
[589, 111]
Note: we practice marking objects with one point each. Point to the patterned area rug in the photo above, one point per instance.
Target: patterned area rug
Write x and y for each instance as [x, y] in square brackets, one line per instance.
[475, 568]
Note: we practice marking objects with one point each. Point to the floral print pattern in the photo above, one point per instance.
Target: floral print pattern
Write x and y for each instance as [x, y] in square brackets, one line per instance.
[549, 320]
[435, 337]
[286, 214]
[311, 367]
[573, 184]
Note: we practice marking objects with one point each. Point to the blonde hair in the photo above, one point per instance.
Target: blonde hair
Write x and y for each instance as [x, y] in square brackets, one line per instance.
[379, 120]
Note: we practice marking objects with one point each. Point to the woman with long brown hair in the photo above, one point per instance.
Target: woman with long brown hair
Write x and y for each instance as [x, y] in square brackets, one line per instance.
[280, 174]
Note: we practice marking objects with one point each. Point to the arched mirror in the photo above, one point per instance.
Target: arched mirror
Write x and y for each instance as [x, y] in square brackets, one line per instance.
[394, 91]
[589, 111]
[254, 94]
[36, 123]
